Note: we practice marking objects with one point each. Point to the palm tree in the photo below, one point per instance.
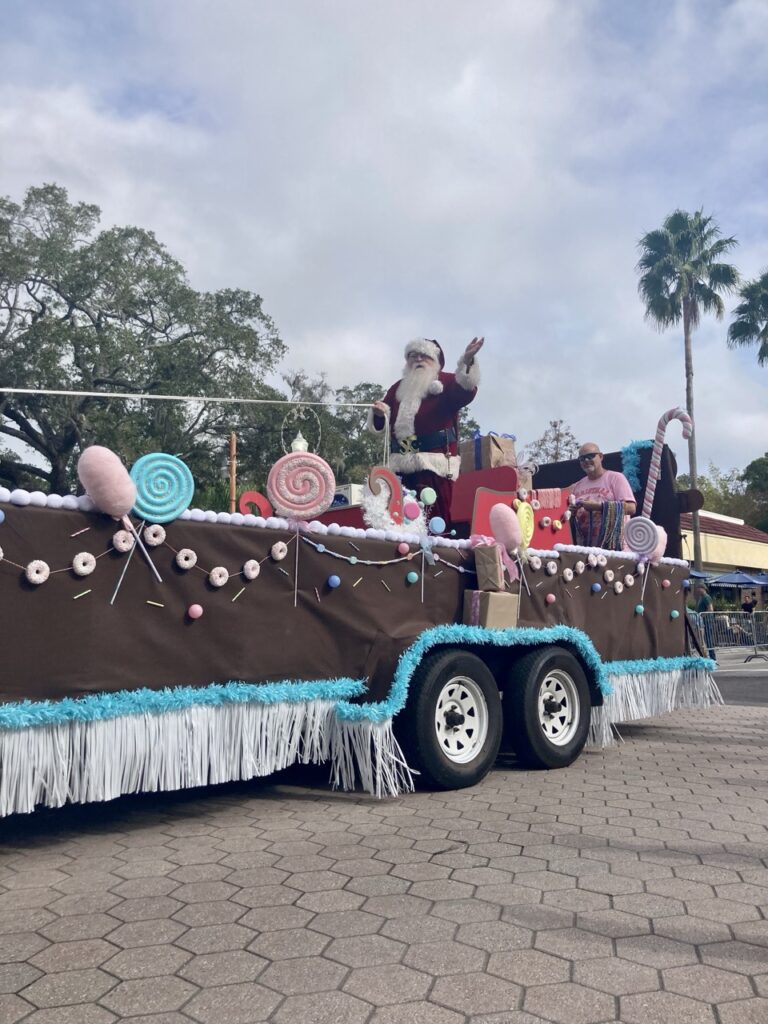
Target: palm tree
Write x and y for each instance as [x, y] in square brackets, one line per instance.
[751, 324]
[681, 276]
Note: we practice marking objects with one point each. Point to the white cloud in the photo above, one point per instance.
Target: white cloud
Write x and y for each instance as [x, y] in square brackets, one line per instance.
[381, 171]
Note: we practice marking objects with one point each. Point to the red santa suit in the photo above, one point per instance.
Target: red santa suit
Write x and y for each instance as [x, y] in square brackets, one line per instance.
[425, 427]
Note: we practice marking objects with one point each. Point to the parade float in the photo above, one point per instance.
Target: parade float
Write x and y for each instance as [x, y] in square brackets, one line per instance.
[151, 645]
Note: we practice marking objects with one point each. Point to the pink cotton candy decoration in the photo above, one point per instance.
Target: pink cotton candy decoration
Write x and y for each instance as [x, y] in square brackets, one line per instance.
[106, 481]
[506, 527]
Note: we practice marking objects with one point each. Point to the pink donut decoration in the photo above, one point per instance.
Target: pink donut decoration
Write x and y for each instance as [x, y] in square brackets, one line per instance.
[301, 486]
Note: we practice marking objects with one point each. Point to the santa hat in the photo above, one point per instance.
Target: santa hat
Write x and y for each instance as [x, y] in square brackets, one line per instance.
[426, 347]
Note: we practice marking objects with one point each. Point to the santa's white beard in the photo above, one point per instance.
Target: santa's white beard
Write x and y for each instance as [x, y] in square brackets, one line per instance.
[411, 391]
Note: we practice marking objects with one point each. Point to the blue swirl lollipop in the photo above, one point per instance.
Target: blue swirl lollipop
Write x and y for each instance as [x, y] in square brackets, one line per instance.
[164, 487]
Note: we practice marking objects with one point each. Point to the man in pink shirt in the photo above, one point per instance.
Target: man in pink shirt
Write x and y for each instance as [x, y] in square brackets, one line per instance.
[604, 501]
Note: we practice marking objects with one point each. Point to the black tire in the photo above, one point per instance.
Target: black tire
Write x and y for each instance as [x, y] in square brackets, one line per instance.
[450, 728]
[542, 735]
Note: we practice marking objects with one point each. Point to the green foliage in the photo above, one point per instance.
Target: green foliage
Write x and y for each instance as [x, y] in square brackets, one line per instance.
[557, 444]
[755, 477]
[750, 325]
[113, 311]
[735, 493]
[680, 270]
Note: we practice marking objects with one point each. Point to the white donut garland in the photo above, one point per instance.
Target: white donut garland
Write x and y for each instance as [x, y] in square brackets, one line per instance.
[279, 551]
[551, 568]
[618, 587]
[37, 572]
[579, 568]
[567, 575]
[186, 558]
[83, 564]
[629, 580]
[251, 569]
[123, 541]
[534, 562]
[218, 577]
[154, 535]
[608, 575]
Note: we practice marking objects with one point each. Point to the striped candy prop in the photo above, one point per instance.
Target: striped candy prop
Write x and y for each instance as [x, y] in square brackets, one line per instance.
[655, 470]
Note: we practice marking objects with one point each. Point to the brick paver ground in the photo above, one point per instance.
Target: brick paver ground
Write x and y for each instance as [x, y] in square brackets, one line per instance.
[630, 887]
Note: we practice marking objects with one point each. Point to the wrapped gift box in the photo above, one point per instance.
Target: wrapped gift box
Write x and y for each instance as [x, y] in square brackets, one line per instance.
[494, 611]
[487, 451]
[489, 568]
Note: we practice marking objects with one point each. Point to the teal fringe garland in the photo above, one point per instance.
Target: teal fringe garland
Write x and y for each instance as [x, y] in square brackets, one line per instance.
[97, 707]
[630, 462]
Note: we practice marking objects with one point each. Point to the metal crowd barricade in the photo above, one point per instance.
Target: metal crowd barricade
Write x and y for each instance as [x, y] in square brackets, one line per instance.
[720, 630]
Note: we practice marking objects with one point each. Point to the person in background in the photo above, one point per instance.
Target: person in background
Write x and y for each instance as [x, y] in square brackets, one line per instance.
[749, 603]
[423, 407]
[603, 502]
[704, 604]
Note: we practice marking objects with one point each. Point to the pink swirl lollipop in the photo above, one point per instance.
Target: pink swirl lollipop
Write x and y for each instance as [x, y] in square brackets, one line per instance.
[301, 486]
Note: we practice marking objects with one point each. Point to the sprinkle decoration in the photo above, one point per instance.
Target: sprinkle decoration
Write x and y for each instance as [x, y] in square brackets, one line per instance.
[84, 592]
[164, 487]
[241, 591]
[156, 604]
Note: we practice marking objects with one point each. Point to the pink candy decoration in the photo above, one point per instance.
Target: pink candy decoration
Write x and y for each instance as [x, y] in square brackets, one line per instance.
[195, 611]
[381, 475]
[655, 469]
[106, 481]
[403, 549]
[411, 509]
[550, 598]
[666, 583]
[301, 486]
[254, 503]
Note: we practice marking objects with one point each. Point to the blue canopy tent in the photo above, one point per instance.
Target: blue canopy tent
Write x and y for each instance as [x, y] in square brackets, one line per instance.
[735, 579]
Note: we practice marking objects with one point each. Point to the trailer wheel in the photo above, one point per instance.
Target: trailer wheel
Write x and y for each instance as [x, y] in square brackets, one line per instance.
[452, 723]
[547, 708]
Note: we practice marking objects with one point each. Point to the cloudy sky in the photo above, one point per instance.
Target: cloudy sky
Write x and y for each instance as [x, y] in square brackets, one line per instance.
[383, 169]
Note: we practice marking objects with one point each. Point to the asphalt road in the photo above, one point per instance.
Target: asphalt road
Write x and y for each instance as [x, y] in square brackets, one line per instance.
[742, 682]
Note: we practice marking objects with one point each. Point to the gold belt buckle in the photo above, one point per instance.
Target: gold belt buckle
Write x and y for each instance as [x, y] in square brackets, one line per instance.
[406, 445]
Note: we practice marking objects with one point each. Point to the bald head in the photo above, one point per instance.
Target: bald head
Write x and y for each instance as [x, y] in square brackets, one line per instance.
[591, 459]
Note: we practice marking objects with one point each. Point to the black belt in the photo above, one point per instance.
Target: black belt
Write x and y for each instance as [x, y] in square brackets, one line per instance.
[423, 442]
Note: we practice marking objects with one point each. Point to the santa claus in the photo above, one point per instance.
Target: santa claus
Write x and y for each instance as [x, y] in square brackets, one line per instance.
[423, 411]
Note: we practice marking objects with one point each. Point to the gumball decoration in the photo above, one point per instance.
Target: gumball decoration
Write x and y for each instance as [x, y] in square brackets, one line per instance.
[2, 516]
[195, 611]
[411, 509]
[428, 495]
[550, 598]
[639, 609]
[106, 481]
[674, 614]
[596, 588]
[666, 584]
[334, 582]
[403, 548]
[164, 487]
[412, 577]
[301, 486]
[686, 583]
[437, 525]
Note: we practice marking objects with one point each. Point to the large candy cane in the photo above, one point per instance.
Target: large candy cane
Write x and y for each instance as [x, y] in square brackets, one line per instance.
[655, 471]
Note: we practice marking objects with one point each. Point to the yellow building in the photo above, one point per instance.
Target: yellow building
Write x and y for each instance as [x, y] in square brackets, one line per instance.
[727, 544]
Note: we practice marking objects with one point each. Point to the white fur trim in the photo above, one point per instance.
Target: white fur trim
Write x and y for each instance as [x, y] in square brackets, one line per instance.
[436, 387]
[425, 347]
[468, 378]
[435, 462]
